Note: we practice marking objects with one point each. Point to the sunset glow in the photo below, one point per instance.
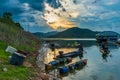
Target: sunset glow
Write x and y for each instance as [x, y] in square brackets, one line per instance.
[57, 18]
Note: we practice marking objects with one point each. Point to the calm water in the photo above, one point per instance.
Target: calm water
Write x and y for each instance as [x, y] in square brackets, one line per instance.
[97, 67]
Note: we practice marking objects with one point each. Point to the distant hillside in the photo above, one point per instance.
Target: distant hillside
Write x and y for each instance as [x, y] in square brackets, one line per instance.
[109, 33]
[44, 35]
[13, 34]
[75, 33]
[40, 34]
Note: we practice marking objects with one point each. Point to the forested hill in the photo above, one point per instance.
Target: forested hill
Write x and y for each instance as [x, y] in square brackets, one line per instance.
[75, 33]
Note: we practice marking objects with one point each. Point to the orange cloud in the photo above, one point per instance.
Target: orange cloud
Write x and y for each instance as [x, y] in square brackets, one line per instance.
[57, 18]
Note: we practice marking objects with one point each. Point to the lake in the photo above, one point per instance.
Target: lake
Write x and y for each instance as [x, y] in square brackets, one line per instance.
[98, 67]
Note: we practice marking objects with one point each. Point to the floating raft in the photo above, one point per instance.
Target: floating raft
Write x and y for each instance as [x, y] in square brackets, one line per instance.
[78, 65]
[70, 54]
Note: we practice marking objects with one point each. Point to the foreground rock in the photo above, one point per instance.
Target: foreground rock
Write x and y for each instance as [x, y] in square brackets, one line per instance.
[5, 69]
[27, 64]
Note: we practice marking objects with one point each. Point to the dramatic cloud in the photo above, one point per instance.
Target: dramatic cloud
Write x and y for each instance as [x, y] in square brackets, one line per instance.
[62, 14]
[35, 4]
[57, 18]
[111, 2]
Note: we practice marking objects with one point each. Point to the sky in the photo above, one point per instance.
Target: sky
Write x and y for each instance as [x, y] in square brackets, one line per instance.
[50, 15]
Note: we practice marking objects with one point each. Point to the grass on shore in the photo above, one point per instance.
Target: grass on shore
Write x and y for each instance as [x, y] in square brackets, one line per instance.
[13, 72]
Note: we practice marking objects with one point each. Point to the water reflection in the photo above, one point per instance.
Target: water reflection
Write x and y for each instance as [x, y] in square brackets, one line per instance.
[72, 44]
[50, 54]
[81, 56]
[105, 56]
[100, 66]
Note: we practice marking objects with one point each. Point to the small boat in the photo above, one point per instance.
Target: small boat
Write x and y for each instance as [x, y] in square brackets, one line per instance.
[80, 64]
[56, 63]
[70, 54]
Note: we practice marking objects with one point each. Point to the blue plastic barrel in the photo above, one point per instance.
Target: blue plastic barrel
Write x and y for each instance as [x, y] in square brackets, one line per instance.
[16, 59]
[63, 70]
[54, 63]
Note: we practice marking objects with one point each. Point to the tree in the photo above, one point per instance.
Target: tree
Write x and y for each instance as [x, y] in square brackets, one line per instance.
[7, 14]
[18, 25]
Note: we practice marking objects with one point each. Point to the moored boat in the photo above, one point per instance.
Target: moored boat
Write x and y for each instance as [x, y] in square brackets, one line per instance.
[57, 63]
[70, 54]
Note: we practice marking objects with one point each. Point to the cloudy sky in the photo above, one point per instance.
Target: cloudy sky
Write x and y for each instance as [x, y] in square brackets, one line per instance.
[49, 15]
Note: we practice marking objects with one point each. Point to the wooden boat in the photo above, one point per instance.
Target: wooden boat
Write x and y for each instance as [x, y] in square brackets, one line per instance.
[80, 64]
[57, 63]
[70, 54]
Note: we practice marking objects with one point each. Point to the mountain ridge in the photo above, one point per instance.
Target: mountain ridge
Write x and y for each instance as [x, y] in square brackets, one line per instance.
[44, 35]
[73, 33]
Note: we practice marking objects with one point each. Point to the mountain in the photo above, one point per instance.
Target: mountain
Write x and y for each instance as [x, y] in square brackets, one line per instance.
[109, 33]
[75, 33]
[44, 35]
[51, 33]
[40, 34]
[13, 34]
